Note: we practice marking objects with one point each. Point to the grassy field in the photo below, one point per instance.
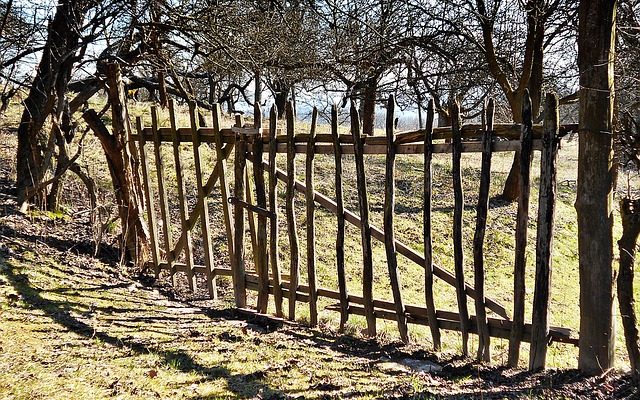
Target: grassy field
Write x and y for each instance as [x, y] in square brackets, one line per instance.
[77, 312]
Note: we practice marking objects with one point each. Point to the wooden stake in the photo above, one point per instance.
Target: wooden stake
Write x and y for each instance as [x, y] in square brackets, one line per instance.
[204, 210]
[365, 229]
[149, 196]
[162, 194]
[182, 200]
[522, 222]
[458, 252]
[428, 245]
[342, 279]
[389, 206]
[290, 211]
[311, 234]
[239, 284]
[274, 256]
[484, 347]
[221, 166]
[261, 200]
[544, 241]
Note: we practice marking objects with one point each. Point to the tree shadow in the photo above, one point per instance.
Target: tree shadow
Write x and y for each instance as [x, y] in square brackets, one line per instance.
[60, 312]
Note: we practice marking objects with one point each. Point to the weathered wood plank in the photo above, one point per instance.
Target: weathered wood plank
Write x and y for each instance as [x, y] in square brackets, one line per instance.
[339, 210]
[311, 233]
[522, 222]
[389, 236]
[458, 251]
[204, 210]
[149, 197]
[544, 240]
[274, 255]
[239, 284]
[221, 167]
[365, 228]
[290, 212]
[484, 346]
[261, 201]
[428, 239]
[162, 193]
[182, 199]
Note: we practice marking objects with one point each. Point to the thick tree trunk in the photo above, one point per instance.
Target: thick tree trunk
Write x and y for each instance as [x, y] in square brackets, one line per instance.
[51, 80]
[121, 157]
[368, 113]
[628, 244]
[596, 41]
[511, 190]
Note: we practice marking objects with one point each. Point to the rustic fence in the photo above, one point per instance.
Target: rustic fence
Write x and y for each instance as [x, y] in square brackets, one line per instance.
[238, 207]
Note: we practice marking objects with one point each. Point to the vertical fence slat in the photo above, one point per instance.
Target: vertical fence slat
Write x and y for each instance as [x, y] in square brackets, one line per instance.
[149, 198]
[261, 201]
[544, 241]
[162, 195]
[274, 254]
[204, 211]
[342, 279]
[484, 348]
[522, 222]
[389, 237]
[428, 241]
[221, 162]
[253, 234]
[311, 234]
[458, 252]
[239, 284]
[290, 211]
[182, 200]
[365, 228]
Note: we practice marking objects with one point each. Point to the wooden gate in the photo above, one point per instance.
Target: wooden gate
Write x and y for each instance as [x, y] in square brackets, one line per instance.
[261, 212]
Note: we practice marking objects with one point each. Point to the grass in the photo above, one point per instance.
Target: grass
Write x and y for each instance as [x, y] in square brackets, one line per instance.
[499, 243]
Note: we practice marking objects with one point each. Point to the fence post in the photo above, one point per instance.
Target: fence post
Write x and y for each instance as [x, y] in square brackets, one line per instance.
[162, 195]
[522, 222]
[261, 201]
[428, 241]
[365, 228]
[544, 240]
[274, 256]
[290, 210]
[458, 253]
[311, 235]
[484, 348]
[342, 279]
[149, 197]
[389, 206]
[221, 162]
[182, 201]
[204, 211]
[239, 283]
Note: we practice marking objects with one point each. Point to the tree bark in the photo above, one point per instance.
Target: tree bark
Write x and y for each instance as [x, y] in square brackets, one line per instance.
[369, 106]
[628, 244]
[120, 152]
[51, 80]
[596, 51]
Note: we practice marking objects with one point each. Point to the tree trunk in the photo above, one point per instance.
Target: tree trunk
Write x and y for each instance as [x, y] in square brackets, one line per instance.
[51, 80]
[511, 190]
[120, 152]
[369, 106]
[596, 41]
[628, 244]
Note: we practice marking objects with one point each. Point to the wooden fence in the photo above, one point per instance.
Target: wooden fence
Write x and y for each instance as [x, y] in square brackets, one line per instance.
[258, 146]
